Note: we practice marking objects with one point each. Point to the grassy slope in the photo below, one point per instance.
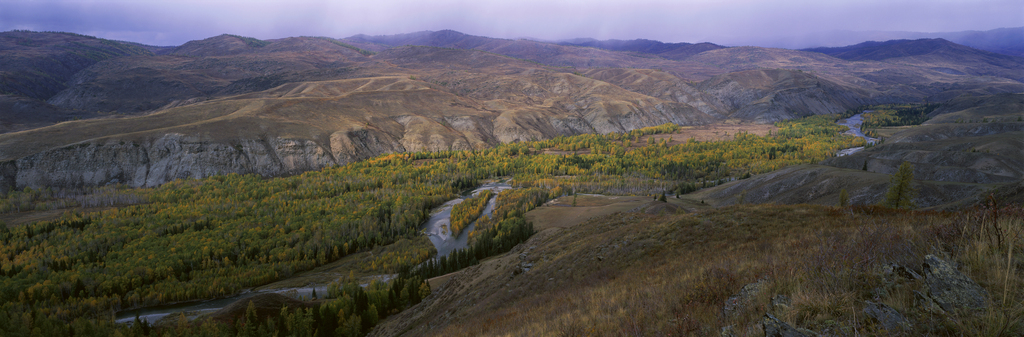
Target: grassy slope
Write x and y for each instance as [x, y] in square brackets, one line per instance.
[639, 274]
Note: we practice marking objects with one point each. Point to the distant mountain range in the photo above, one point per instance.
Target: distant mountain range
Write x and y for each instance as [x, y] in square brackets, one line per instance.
[144, 115]
[1008, 41]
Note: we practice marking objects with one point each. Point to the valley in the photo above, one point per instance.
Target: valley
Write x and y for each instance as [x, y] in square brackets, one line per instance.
[439, 183]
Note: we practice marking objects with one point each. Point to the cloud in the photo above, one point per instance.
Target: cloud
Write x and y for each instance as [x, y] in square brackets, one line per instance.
[174, 22]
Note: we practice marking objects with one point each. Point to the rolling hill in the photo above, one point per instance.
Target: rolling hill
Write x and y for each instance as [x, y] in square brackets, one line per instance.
[955, 162]
[236, 104]
[38, 65]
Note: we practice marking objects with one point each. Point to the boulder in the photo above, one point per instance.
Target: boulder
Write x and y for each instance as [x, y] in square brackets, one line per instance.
[951, 289]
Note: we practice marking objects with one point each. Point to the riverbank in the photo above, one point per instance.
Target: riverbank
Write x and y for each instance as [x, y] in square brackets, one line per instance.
[854, 123]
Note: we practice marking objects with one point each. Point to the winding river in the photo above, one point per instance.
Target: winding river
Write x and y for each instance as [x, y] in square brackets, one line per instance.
[854, 123]
[436, 228]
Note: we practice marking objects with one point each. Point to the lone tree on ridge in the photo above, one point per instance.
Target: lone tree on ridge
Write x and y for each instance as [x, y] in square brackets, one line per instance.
[901, 194]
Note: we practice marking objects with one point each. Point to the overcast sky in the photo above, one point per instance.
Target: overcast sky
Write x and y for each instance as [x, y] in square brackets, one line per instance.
[729, 22]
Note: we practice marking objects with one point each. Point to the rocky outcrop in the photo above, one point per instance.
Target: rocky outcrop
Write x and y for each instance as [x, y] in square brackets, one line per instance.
[774, 327]
[890, 319]
[172, 156]
[736, 303]
[362, 144]
[950, 289]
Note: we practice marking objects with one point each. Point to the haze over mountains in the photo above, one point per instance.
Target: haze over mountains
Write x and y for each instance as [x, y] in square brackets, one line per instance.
[235, 104]
[1009, 41]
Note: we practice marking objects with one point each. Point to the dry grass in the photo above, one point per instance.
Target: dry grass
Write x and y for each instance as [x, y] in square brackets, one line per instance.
[561, 212]
[886, 132]
[631, 274]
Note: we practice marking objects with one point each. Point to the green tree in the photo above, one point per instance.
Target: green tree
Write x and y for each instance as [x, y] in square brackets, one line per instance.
[901, 194]
[844, 198]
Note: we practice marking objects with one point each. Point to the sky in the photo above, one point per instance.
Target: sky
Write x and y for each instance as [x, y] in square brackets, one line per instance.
[781, 23]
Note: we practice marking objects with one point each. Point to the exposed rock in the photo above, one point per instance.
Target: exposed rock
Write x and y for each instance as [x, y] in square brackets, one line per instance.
[926, 303]
[780, 304]
[737, 302]
[727, 331]
[773, 327]
[889, 318]
[164, 159]
[951, 289]
[901, 271]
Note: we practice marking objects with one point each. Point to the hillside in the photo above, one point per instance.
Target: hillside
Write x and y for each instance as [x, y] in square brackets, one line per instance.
[672, 51]
[1006, 41]
[955, 163]
[939, 54]
[817, 269]
[38, 65]
[277, 107]
[22, 113]
[199, 70]
[601, 264]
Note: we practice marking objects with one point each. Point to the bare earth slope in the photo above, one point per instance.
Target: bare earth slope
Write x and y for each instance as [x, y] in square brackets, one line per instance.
[235, 104]
[304, 126]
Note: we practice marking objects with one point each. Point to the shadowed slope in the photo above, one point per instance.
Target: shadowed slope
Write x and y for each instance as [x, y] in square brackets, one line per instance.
[37, 65]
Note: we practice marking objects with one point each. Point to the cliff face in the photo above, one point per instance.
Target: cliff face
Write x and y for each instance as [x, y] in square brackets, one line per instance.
[173, 156]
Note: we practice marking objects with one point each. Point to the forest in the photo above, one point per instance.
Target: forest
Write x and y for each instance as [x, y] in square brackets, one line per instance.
[195, 239]
[885, 115]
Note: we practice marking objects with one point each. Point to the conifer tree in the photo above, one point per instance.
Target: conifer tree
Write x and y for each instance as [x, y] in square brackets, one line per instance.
[901, 194]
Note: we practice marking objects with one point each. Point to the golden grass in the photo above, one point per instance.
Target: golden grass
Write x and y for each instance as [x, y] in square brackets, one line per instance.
[638, 274]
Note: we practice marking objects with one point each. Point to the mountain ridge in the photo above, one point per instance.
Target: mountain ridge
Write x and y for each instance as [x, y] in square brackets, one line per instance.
[244, 105]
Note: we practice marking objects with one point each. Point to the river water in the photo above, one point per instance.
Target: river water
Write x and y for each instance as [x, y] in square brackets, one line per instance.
[854, 123]
[437, 226]
[436, 229]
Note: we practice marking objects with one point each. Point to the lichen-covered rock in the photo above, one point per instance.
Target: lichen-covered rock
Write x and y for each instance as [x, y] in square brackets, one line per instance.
[889, 318]
[774, 327]
[951, 289]
[780, 304]
[892, 271]
[926, 303]
[737, 302]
